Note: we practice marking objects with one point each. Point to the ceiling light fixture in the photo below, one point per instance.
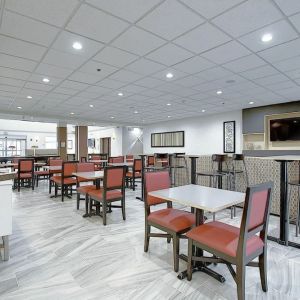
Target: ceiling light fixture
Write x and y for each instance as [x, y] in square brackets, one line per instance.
[169, 75]
[169, 104]
[135, 112]
[46, 80]
[112, 117]
[267, 37]
[203, 110]
[169, 116]
[120, 94]
[251, 102]
[19, 107]
[77, 46]
[91, 105]
[29, 97]
[219, 92]
[71, 113]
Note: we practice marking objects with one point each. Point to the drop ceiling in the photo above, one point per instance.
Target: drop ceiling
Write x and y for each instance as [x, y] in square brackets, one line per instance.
[128, 47]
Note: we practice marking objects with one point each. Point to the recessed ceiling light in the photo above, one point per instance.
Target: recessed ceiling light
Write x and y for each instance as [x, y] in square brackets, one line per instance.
[267, 37]
[203, 110]
[46, 80]
[219, 92]
[135, 112]
[112, 117]
[29, 97]
[71, 113]
[120, 94]
[251, 102]
[19, 107]
[169, 104]
[169, 75]
[77, 46]
[91, 105]
[169, 116]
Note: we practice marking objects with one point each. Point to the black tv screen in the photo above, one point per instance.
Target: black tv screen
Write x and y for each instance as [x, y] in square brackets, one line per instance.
[285, 129]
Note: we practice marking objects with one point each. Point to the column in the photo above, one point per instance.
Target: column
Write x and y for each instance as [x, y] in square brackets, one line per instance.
[81, 141]
[62, 141]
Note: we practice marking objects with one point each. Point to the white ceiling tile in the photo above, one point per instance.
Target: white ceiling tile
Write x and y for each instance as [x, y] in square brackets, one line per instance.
[52, 71]
[132, 88]
[194, 65]
[65, 91]
[164, 20]
[145, 66]
[100, 26]
[125, 76]
[281, 52]
[12, 73]
[190, 81]
[38, 78]
[169, 55]
[151, 93]
[247, 17]
[16, 62]
[282, 86]
[91, 67]
[19, 48]
[293, 74]
[115, 57]
[53, 12]
[38, 86]
[84, 78]
[211, 8]
[138, 41]
[98, 90]
[226, 53]
[271, 79]
[245, 63]
[202, 38]
[162, 75]
[27, 29]
[259, 72]
[11, 81]
[9, 88]
[296, 21]
[65, 41]
[74, 85]
[288, 7]
[111, 84]
[213, 73]
[288, 64]
[130, 10]
[34, 93]
[63, 59]
[149, 82]
[281, 31]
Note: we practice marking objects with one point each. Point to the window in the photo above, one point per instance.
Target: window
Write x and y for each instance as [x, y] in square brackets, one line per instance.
[50, 142]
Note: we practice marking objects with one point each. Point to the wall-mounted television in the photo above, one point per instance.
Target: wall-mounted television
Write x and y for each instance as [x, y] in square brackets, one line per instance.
[285, 129]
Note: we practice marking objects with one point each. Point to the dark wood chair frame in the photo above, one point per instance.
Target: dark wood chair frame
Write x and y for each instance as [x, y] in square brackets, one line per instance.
[132, 179]
[106, 205]
[18, 182]
[241, 260]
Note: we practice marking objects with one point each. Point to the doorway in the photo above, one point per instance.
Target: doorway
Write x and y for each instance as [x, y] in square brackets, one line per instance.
[105, 145]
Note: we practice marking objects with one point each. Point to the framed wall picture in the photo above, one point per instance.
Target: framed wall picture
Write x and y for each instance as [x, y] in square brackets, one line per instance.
[167, 139]
[229, 136]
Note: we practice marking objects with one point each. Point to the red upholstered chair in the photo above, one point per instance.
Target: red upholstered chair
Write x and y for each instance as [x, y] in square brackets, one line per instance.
[116, 159]
[135, 173]
[54, 162]
[25, 173]
[84, 189]
[150, 161]
[113, 190]
[83, 159]
[66, 180]
[237, 246]
[129, 158]
[174, 222]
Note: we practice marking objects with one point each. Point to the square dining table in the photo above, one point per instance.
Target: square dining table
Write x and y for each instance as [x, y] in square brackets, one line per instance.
[201, 199]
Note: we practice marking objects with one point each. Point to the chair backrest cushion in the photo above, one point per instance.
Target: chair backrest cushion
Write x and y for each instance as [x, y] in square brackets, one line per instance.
[55, 162]
[25, 165]
[137, 165]
[114, 177]
[69, 168]
[85, 167]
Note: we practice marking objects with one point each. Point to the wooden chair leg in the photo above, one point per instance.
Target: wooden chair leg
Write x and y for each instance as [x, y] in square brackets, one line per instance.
[240, 281]
[133, 183]
[176, 252]
[104, 208]
[63, 192]
[78, 201]
[190, 261]
[147, 237]
[123, 209]
[262, 262]
[50, 186]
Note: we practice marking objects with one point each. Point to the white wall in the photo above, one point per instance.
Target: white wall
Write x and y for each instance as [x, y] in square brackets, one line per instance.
[203, 134]
[132, 141]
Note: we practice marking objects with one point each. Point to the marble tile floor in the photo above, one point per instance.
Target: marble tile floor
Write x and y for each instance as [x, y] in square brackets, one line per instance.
[57, 254]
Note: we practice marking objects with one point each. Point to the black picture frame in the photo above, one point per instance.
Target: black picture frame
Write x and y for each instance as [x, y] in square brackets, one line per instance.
[229, 137]
[164, 134]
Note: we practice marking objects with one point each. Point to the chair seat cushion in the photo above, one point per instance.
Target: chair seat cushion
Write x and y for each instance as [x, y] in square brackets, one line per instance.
[67, 181]
[130, 174]
[81, 179]
[42, 173]
[24, 175]
[223, 238]
[85, 189]
[174, 219]
[110, 195]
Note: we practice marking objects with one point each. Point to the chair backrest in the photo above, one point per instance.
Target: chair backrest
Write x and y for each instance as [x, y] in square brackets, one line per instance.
[26, 165]
[68, 168]
[129, 158]
[137, 165]
[83, 159]
[55, 162]
[114, 178]
[154, 181]
[85, 167]
[116, 159]
[150, 160]
[256, 213]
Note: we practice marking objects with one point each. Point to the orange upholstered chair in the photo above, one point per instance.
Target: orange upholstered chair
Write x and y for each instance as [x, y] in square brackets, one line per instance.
[57, 163]
[83, 190]
[66, 180]
[135, 173]
[129, 158]
[116, 159]
[113, 190]
[237, 246]
[172, 221]
[150, 161]
[25, 173]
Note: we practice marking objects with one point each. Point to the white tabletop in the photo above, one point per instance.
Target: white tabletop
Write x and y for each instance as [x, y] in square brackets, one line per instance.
[53, 168]
[96, 161]
[201, 197]
[128, 164]
[282, 157]
[90, 175]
